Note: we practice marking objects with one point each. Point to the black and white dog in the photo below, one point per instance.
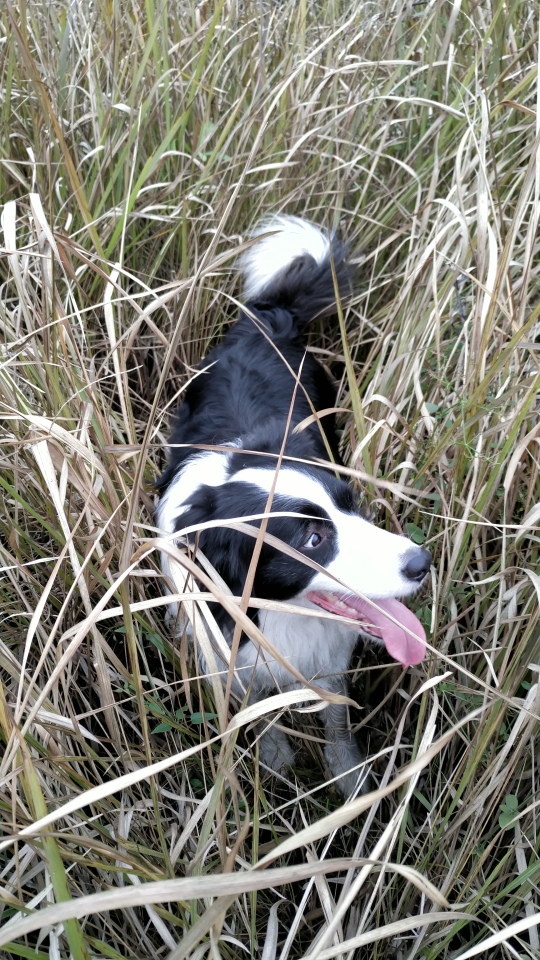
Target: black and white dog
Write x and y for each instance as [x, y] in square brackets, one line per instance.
[243, 401]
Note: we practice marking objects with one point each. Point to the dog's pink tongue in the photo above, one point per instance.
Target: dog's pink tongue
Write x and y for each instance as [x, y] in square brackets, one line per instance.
[406, 649]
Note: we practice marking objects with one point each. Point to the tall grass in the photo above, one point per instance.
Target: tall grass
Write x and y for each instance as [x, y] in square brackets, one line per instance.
[139, 144]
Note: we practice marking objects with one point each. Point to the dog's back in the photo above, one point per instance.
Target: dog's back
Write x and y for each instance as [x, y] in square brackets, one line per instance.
[290, 278]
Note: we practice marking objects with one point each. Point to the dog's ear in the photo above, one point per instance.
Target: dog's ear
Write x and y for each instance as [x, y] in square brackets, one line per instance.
[229, 551]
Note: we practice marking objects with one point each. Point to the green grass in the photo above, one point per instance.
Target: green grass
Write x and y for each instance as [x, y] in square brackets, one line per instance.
[140, 142]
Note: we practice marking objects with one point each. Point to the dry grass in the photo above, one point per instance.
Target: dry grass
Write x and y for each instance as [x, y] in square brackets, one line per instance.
[139, 142]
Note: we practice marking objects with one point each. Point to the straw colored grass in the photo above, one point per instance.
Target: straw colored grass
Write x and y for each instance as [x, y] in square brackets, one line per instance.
[140, 141]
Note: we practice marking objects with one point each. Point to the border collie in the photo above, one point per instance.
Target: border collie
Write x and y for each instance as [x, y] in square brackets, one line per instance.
[241, 400]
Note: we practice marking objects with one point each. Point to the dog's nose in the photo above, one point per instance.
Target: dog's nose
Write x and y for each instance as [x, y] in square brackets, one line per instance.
[416, 564]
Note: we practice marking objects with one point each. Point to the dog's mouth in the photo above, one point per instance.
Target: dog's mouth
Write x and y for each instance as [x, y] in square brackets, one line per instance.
[406, 649]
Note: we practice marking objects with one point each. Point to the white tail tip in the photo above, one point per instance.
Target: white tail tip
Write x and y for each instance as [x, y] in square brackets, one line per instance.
[273, 253]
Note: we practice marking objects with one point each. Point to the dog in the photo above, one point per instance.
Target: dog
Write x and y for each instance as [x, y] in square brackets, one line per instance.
[256, 392]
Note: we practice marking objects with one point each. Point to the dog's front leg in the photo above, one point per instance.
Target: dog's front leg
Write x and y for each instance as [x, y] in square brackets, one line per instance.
[342, 752]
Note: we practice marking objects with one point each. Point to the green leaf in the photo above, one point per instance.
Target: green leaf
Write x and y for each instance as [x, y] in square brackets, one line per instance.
[158, 708]
[426, 803]
[168, 724]
[197, 718]
[17, 950]
[415, 533]
[156, 640]
[432, 407]
[508, 810]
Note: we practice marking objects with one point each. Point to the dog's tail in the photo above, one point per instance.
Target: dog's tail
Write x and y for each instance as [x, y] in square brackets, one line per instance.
[291, 267]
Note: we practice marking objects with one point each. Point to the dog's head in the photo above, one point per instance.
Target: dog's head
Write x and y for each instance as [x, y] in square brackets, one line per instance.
[356, 561]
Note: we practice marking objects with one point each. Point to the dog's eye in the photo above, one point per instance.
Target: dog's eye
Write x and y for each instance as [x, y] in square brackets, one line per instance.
[314, 540]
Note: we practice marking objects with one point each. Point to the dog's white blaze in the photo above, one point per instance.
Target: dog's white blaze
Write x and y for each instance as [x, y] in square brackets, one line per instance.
[209, 467]
[274, 253]
[369, 560]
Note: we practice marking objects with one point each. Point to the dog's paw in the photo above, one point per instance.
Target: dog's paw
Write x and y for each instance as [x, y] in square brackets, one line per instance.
[343, 757]
[275, 751]
[178, 623]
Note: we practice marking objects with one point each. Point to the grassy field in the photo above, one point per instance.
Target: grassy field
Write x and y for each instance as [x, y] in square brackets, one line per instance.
[139, 142]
